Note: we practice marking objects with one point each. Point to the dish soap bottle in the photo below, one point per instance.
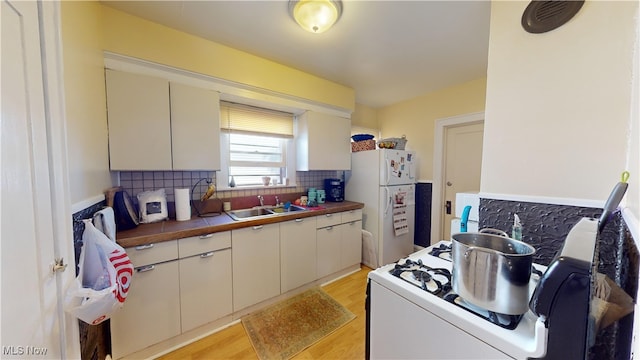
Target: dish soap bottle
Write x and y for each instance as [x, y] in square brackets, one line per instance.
[516, 231]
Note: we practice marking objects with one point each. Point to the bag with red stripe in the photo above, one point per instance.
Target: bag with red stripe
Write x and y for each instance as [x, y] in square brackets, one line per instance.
[103, 279]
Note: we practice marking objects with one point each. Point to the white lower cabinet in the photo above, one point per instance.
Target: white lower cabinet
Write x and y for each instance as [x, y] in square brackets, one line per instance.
[297, 253]
[339, 241]
[182, 284]
[351, 246]
[177, 286]
[328, 242]
[205, 279]
[151, 312]
[256, 264]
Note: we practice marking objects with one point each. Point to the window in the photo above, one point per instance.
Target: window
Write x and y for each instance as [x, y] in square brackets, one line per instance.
[252, 157]
[255, 143]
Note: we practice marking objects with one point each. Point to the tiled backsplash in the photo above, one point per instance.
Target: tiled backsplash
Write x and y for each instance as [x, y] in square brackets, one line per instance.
[135, 182]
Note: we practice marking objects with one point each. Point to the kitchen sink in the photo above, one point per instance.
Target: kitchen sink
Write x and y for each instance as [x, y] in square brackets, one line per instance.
[292, 208]
[258, 212]
[249, 213]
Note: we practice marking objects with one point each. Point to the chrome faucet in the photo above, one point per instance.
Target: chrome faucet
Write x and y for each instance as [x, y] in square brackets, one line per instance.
[277, 201]
[261, 200]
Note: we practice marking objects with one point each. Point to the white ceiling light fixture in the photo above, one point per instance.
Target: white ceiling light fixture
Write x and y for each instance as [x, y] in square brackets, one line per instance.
[315, 16]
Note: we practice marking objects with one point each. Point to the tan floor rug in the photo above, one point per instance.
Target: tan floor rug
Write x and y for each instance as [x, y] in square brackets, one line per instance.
[290, 326]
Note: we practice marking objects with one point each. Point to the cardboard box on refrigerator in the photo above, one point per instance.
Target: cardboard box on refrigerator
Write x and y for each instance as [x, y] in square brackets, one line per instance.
[363, 145]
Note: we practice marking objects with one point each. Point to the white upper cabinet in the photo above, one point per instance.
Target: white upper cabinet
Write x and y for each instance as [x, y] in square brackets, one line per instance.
[139, 122]
[322, 142]
[195, 128]
[154, 125]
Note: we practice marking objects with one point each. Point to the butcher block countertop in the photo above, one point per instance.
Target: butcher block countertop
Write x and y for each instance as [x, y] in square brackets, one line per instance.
[171, 229]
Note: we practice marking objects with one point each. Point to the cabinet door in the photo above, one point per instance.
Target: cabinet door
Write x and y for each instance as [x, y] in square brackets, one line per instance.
[195, 128]
[328, 243]
[323, 142]
[205, 288]
[351, 246]
[297, 253]
[139, 122]
[151, 312]
[256, 264]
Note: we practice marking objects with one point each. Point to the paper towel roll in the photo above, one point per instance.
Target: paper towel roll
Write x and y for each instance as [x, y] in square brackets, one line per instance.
[183, 204]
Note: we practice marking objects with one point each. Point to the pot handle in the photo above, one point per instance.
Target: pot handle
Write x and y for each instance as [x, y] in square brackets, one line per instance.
[494, 232]
[477, 248]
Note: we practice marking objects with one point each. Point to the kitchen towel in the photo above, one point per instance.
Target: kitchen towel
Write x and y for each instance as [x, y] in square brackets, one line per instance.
[105, 221]
[183, 205]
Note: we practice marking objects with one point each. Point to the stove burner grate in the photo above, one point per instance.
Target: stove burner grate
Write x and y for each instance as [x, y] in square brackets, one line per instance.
[437, 281]
[425, 275]
[442, 251]
[505, 321]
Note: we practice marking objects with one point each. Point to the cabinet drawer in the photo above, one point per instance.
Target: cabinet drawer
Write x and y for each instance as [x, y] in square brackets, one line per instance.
[328, 220]
[351, 215]
[153, 253]
[204, 243]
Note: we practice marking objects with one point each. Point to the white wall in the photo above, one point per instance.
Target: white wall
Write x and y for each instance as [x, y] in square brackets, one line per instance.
[571, 98]
[558, 104]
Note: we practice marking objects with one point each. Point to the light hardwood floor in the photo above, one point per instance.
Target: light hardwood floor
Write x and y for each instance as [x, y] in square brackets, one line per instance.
[345, 343]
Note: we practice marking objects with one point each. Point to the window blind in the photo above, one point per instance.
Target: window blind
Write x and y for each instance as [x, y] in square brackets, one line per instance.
[246, 119]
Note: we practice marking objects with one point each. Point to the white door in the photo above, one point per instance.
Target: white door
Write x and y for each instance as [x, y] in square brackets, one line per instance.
[32, 322]
[462, 164]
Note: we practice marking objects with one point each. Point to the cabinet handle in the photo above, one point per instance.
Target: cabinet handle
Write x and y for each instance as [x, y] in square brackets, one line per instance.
[144, 247]
[257, 227]
[329, 228]
[206, 255]
[299, 220]
[145, 268]
[207, 236]
[353, 222]
[328, 215]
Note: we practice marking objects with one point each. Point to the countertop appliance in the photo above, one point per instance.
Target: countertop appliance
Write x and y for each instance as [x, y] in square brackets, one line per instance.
[334, 190]
[557, 326]
[384, 180]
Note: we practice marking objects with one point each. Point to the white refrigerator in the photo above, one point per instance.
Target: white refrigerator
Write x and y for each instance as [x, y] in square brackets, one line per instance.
[384, 180]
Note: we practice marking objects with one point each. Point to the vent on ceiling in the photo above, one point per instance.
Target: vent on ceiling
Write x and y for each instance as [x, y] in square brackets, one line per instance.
[543, 16]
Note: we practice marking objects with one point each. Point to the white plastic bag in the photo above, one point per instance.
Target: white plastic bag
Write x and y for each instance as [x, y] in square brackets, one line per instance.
[103, 280]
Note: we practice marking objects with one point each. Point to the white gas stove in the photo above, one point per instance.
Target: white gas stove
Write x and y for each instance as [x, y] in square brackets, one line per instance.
[413, 314]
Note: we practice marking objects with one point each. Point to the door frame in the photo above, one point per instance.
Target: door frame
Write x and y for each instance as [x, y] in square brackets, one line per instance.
[53, 64]
[55, 116]
[437, 204]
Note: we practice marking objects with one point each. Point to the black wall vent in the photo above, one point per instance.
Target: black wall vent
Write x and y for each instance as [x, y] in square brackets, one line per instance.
[542, 16]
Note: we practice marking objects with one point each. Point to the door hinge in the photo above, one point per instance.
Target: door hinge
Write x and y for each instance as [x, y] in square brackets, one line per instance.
[58, 265]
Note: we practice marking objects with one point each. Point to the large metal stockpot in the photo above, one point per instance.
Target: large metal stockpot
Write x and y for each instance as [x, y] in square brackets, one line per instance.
[492, 271]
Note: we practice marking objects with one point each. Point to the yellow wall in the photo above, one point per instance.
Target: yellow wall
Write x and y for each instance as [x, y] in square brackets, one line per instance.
[85, 100]
[89, 28]
[133, 36]
[416, 118]
[365, 116]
